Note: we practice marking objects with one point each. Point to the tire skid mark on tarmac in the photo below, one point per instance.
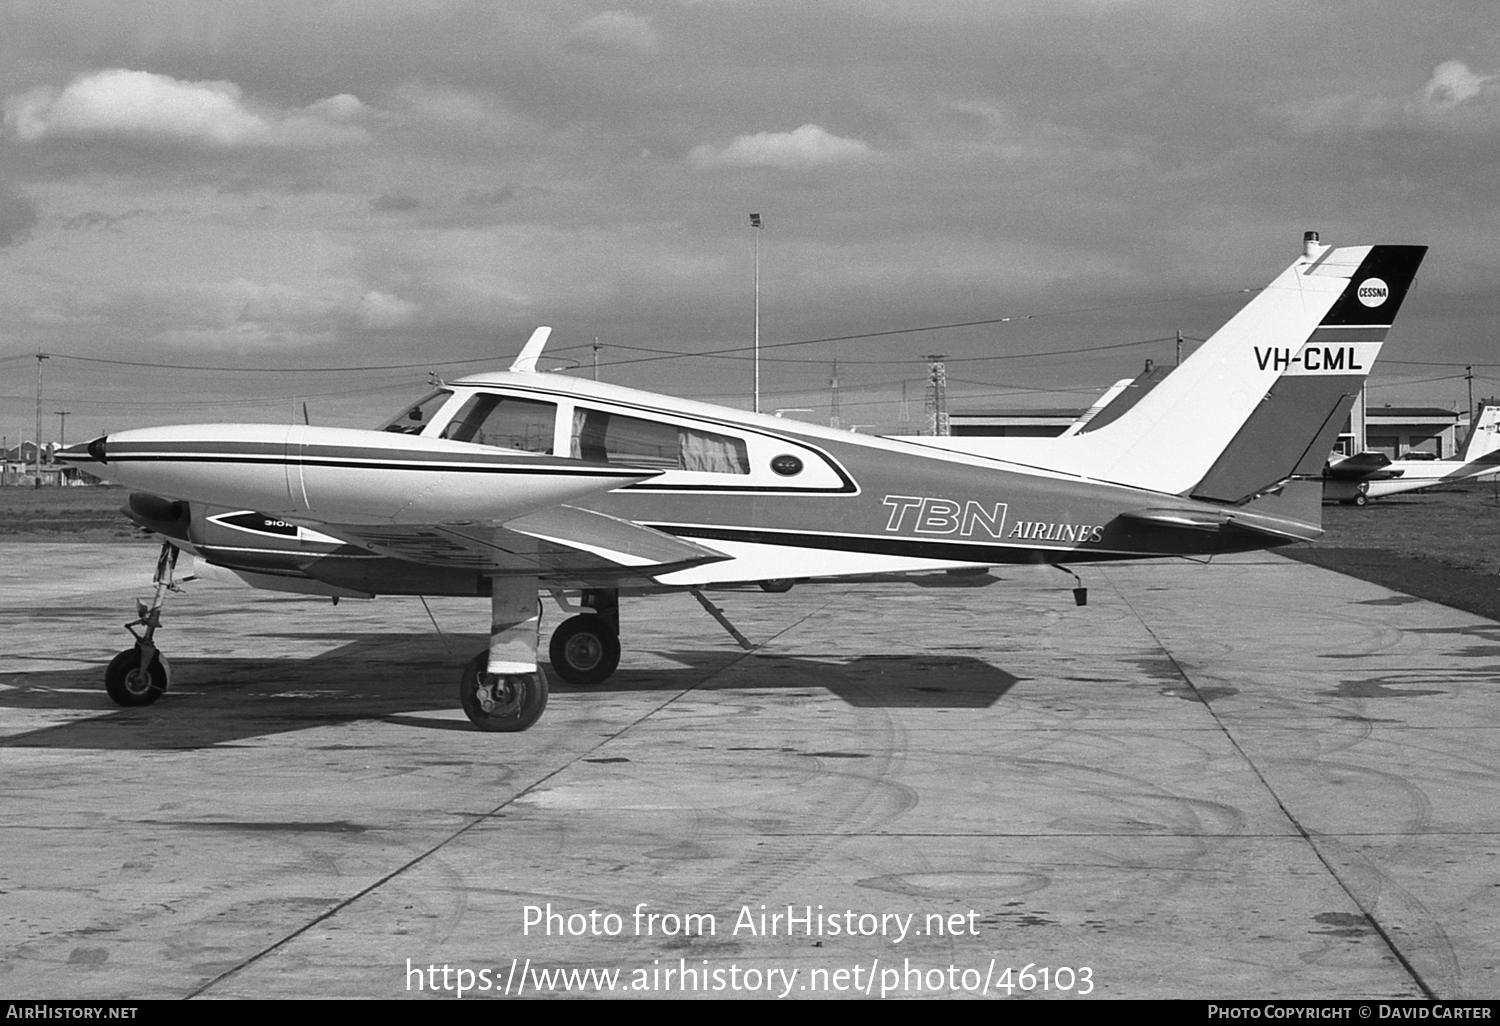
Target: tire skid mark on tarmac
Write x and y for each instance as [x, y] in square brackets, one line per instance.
[432, 853]
[1353, 889]
[856, 799]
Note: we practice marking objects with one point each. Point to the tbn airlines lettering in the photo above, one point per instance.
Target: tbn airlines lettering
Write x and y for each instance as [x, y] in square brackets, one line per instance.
[936, 516]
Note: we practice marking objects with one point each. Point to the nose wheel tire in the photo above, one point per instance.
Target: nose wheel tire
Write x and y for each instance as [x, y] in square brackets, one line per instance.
[129, 683]
[505, 702]
[584, 650]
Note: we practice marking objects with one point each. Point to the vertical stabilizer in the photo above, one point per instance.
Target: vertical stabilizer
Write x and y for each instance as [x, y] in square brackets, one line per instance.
[1484, 434]
[525, 361]
[1295, 425]
[1109, 396]
[1259, 402]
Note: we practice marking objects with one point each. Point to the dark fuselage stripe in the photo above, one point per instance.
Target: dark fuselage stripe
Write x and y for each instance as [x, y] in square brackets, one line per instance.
[915, 548]
[549, 471]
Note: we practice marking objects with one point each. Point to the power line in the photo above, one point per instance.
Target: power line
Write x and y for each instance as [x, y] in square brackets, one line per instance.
[259, 370]
[238, 401]
[956, 324]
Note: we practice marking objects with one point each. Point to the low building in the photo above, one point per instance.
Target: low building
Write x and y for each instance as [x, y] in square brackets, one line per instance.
[1396, 431]
[18, 468]
[1012, 423]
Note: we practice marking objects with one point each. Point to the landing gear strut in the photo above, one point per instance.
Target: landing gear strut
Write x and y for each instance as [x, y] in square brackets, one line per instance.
[139, 675]
[503, 688]
[585, 649]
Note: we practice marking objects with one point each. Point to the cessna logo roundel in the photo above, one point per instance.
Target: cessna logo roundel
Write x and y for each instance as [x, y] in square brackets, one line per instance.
[1373, 292]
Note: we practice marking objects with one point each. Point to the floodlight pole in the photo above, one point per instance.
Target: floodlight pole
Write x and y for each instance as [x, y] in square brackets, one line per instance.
[39, 358]
[755, 223]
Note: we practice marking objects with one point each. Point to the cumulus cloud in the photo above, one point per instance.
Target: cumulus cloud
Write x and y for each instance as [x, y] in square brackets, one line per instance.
[615, 32]
[1453, 83]
[120, 103]
[381, 310]
[808, 146]
[1454, 98]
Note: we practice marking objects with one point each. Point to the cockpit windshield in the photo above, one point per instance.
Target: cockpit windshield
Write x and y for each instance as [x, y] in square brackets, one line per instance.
[413, 419]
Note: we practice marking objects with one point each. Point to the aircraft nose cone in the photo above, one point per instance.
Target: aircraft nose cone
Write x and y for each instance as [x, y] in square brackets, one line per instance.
[83, 451]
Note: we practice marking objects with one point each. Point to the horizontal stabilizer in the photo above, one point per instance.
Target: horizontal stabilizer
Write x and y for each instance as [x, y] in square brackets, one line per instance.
[1227, 519]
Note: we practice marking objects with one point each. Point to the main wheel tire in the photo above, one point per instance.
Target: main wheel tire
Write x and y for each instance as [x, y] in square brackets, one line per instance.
[777, 585]
[516, 701]
[129, 684]
[584, 650]
[1361, 500]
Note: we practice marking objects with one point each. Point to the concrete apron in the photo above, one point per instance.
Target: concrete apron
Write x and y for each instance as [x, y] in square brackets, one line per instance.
[1254, 779]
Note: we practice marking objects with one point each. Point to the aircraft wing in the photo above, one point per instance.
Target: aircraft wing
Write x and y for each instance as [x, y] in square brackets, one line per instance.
[563, 543]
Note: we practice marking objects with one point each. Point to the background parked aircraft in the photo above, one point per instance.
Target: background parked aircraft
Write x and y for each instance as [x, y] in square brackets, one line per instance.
[1369, 475]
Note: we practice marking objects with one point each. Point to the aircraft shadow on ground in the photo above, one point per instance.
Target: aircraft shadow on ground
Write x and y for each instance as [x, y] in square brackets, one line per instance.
[217, 701]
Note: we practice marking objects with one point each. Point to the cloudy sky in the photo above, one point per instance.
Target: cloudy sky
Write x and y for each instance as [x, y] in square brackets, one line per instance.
[247, 197]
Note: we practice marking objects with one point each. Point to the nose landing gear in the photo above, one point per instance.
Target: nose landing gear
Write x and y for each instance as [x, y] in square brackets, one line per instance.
[139, 675]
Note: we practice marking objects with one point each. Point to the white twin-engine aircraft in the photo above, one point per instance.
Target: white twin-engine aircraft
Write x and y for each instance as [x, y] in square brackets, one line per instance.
[506, 484]
[1357, 479]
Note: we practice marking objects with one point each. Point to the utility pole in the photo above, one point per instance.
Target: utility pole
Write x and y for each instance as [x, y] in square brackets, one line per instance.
[1179, 347]
[596, 357]
[937, 396]
[1469, 377]
[835, 414]
[39, 358]
[755, 223]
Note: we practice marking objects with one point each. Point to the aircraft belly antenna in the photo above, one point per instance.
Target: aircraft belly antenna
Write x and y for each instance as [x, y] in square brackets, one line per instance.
[525, 363]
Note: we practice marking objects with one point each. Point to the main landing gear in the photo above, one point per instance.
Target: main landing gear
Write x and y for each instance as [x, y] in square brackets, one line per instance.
[507, 702]
[503, 688]
[139, 675]
[585, 649]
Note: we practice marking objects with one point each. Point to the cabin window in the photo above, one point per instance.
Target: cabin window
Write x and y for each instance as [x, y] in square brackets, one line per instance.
[413, 419]
[504, 421]
[613, 438]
